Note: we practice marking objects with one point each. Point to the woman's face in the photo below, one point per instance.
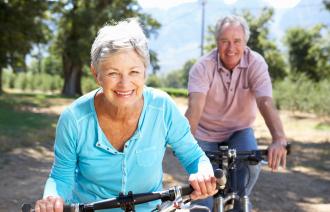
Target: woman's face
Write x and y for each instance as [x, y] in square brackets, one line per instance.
[122, 77]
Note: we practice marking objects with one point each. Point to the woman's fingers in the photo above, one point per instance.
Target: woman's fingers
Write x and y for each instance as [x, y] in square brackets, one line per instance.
[41, 206]
[204, 186]
[49, 204]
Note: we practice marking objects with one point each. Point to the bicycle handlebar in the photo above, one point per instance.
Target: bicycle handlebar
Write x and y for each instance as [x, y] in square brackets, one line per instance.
[247, 155]
[122, 201]
[128, 201]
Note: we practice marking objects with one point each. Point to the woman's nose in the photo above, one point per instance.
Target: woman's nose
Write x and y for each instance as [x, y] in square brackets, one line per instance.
[124, 79]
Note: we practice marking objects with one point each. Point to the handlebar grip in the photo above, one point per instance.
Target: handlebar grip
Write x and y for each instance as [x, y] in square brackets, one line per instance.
[66, 208]
[288, 149]
[26, 207]
[69, 208]
[221, 178]
[186, 190]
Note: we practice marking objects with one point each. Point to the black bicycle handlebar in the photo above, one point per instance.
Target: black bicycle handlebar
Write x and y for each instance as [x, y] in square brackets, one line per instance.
[127, 202]
[122, 201]
[246, 155]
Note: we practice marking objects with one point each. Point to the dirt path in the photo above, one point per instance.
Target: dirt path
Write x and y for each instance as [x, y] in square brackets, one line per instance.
[303, 186]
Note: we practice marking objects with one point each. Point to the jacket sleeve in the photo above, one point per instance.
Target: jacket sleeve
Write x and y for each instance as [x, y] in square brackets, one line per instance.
[62, 175]
[183, 144]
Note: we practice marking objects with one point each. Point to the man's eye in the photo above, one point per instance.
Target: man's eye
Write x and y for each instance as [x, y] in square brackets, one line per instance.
[135, 72]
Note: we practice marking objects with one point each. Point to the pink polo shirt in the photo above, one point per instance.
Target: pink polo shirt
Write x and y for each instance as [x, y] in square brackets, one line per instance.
[230, 96]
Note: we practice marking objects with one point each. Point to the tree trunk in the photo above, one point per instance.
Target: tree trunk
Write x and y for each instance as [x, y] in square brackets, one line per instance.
[1, 91]
[72, 78]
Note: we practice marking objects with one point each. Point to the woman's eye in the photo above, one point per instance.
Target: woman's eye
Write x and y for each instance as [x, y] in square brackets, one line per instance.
[112, 74]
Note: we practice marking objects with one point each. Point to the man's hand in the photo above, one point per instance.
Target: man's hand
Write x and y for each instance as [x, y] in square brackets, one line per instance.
[277, 155]
[204, 185]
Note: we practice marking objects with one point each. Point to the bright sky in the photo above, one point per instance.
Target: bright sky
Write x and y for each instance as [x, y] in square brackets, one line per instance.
[165, 4]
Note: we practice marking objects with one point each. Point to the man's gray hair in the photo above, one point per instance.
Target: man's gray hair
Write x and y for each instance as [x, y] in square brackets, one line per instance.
[126, 34]
[232, 19]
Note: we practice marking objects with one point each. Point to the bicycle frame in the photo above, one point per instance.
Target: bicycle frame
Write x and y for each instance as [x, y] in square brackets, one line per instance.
[230, 193]
[227, 160]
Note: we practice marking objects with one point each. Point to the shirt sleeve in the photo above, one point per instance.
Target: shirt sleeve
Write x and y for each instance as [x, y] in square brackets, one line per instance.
[61, 178]
[199, 78]
[183, 144]
[259, 78]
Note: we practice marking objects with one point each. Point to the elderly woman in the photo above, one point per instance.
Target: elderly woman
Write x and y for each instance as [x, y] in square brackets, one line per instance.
[113, 139]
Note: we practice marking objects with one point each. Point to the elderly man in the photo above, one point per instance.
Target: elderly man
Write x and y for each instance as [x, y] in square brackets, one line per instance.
[226, 87]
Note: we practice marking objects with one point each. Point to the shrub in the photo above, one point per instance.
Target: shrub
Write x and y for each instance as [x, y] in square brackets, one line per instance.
[154, 81]
[177, 92]
[302, 94]
[88, 84]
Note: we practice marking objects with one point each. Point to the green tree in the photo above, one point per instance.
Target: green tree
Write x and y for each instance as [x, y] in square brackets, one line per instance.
[260, 42]
[327, 4]
[308, 52]
[77, 26]
[174, 79]
[185, 71]
[22, 24]
[52, 64]
[154, 81]
[179, 78]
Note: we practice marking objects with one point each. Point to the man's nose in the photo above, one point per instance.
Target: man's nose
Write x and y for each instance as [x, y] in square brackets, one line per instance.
[230, 45]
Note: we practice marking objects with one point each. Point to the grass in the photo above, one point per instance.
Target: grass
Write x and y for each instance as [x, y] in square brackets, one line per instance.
[21, 124]
[325, 126]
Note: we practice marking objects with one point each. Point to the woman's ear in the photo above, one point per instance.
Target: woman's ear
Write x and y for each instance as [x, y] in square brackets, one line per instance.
[94, 73]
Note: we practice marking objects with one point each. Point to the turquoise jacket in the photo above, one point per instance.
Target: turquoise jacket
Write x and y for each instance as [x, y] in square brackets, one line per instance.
[87, 168]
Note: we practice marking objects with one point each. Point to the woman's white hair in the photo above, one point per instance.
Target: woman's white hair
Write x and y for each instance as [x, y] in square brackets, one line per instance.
[232, 19]
[126, 34]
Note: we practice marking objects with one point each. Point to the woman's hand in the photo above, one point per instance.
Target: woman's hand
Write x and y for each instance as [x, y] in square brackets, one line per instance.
[49, 204]
[204, 185]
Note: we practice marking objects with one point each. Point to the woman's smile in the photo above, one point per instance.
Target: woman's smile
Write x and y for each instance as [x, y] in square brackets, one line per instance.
[124, 93]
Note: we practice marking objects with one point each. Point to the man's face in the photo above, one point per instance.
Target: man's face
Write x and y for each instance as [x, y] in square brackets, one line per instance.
[231, 45]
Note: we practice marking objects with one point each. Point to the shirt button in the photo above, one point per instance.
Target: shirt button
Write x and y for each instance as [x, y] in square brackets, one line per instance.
[108, 148]
[98, 144]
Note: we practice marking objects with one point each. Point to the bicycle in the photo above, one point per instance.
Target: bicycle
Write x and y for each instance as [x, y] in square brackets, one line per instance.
[227, 160]
[176, 198]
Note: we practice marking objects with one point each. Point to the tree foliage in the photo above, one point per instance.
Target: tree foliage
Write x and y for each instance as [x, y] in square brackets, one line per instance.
[327, 4]
[308, 52]
[22, 24]
[179, 78]
[260, 42]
